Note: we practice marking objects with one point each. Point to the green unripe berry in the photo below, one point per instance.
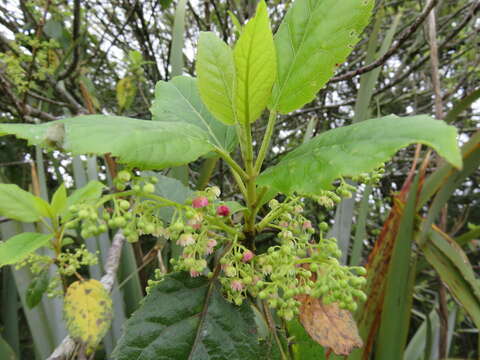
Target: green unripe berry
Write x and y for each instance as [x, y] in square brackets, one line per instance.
[124, 176]
[323, 226]
[83, 214]
[102, 228]
[136, 188]
[149, 228]
[149, 188]
[120, 221]
[132, 238]
[124, 204]
[262, 294]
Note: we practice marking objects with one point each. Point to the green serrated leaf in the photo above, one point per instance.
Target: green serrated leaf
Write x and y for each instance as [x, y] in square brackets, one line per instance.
[139, 143]
[188, 318]
[19, 204]
[256, 66]
[355, 149]
[59, 200]
[216, 77]
[36, 289]
[179, 100]
[314, 37]
[19, 246]
[87, 312]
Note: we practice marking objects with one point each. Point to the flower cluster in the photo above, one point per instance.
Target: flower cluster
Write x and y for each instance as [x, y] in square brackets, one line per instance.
[70, 261]
[203, 226]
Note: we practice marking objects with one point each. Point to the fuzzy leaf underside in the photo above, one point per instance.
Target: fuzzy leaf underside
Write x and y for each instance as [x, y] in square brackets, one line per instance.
[183, 318]
[138, 143]
[313, 39]
[356, 149]
[179, 100]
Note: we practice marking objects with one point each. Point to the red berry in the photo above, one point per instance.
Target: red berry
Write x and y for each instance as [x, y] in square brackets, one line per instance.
[200, 202]
[223, 210]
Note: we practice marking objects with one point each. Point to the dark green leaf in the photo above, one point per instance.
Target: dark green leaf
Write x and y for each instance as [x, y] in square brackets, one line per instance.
[314, 37]
[36, 289]
[19, 246]
[140, 143]
[188, 318]
[179, 100]
[355, 149]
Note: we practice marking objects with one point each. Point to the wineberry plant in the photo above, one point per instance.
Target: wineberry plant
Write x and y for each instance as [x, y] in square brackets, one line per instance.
[242, 263]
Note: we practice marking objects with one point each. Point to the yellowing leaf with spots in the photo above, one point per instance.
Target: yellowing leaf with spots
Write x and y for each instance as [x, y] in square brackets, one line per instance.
[88, 312]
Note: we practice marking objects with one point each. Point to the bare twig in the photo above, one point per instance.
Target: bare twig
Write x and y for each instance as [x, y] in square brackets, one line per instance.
[67, 346]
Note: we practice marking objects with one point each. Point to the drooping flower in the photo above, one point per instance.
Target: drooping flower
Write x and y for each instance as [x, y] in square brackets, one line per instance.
[185, 239]
[236, 285]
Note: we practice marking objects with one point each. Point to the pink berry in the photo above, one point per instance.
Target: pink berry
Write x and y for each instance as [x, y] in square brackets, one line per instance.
[247, 256]
[236, 285]
[223, 210]
[200, 202]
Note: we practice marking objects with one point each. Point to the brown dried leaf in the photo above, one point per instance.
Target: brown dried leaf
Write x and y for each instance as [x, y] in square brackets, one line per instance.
[329, 325]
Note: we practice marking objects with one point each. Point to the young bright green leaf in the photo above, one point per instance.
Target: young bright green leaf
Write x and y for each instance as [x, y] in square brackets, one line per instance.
[91, 191]
[179, 100]
[139, 143]
[355, 149]
[126, 91]
[256, 66]
[216, 77]
[19, 246]
[88, 312]
[188, 318]
[19, 204]
[59, 200]
[313, 39]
